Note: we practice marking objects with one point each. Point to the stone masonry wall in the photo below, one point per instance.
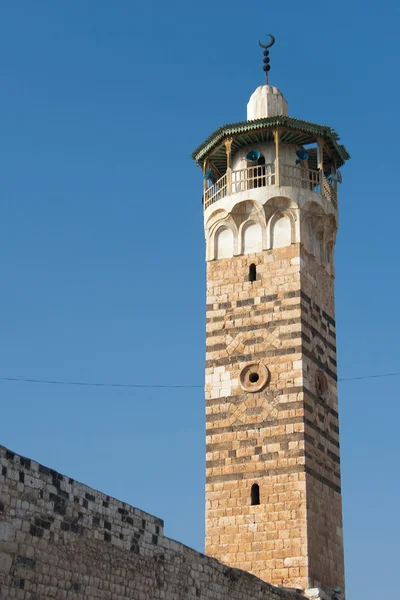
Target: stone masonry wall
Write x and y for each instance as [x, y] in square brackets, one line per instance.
[282, 437]
[62, 539]
[256, 437]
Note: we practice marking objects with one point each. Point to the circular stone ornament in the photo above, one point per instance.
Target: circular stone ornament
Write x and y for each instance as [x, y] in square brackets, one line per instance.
[254, 377]
[321, 384]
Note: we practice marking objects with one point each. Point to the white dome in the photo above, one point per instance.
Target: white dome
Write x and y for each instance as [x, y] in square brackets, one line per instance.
[266, 101]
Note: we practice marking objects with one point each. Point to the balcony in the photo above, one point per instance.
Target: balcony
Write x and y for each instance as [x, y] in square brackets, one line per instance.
[275, 174]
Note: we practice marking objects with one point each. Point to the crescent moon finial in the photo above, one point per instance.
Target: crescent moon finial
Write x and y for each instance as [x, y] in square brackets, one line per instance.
[266, 67]
[271, 43]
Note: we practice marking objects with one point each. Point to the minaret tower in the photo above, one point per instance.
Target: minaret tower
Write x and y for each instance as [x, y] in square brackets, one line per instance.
[273, 495]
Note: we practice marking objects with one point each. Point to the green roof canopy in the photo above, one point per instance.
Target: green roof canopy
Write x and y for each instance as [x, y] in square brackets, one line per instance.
[292, 131]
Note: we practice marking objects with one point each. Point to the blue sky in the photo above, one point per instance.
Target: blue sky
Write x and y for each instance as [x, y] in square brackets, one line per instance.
[102, 251]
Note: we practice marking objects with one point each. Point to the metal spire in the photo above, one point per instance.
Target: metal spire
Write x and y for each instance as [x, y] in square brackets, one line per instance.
[267, 66]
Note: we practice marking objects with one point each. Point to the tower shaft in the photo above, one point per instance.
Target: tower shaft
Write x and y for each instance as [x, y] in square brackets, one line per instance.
[284, 438]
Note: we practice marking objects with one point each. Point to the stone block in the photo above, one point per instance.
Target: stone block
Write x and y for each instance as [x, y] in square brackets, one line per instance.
[6, 561]
[7, 532]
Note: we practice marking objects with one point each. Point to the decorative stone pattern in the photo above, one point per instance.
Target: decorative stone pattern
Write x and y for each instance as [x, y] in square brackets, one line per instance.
[250, 227]
[285, 437]
[62, 539]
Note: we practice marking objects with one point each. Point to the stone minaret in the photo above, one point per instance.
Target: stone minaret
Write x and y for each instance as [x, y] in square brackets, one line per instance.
[273, 495]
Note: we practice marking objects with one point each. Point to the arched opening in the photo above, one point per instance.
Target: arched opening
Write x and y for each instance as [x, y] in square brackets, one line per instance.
[308, 235]
[281, 232]
[329, 255]
[224, 243]
[252, 238]
[255, 494]
[252, 272]
[319, 247]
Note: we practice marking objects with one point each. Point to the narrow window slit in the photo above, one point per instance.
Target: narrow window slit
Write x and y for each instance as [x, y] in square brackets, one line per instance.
[255, 494]
[252, 272]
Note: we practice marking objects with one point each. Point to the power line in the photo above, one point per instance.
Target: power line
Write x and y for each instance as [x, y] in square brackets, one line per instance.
[97, 384]
[369, 377]
[154, 386]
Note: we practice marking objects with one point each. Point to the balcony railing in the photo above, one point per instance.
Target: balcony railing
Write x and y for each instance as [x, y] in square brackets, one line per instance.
[329, 192]
[215, 192]
[307, 179]
[253, 177]
[233, 182]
